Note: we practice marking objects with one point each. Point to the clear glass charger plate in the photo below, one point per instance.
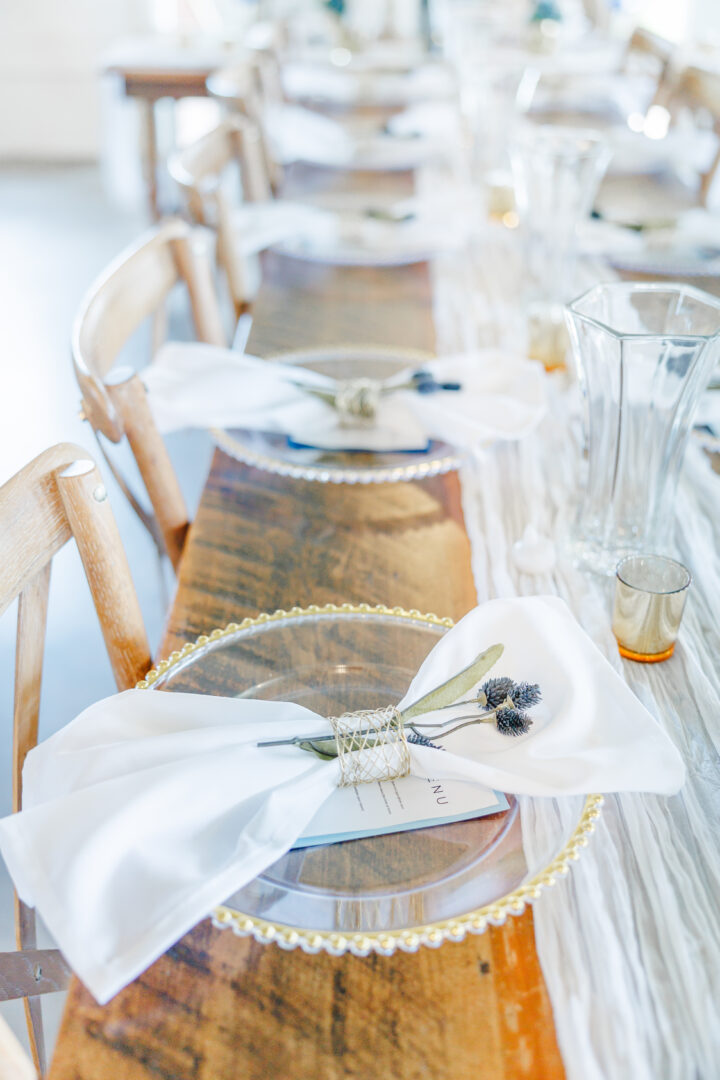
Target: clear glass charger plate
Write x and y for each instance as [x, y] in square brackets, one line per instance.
[377, 894]
[272, 452]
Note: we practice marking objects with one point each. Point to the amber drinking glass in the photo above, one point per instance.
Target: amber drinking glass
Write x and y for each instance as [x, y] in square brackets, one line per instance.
[650, 595]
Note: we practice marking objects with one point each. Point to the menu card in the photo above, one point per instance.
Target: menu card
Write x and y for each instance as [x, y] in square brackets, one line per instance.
[387, 806]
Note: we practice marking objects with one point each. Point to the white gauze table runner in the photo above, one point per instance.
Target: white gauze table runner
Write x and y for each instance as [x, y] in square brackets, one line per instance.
[629, 943]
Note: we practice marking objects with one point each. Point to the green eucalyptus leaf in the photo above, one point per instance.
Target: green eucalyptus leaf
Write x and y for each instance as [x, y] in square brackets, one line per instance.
[324, 749]
[452, 690]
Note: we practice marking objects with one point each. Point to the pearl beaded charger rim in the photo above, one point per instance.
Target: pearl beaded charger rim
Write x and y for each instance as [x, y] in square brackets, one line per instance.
[383, 942]
[253, 449]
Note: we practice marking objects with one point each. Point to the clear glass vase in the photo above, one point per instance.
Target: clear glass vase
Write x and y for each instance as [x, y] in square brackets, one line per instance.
[557, 171]
[644, 354]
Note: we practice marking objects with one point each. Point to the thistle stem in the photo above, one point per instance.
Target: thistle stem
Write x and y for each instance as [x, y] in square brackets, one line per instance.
[469, 701]
[482, 718]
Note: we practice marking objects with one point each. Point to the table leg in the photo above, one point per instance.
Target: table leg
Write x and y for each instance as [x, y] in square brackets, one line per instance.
[148, 135]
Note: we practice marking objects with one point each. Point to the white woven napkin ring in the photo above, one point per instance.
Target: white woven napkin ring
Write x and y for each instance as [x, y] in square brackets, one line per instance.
[357, 401]
[372, 745]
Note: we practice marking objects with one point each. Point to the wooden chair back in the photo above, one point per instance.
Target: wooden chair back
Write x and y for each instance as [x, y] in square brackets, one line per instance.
[647, 45]
[58, 496]
[245, 91]
[133, 288]
[699, 90]
[654, 56]
[202, 171]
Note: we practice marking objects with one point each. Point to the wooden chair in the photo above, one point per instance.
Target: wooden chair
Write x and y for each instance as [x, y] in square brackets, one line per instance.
[58, 496]
[647, 57]
[663, 197]
[133, 288]
[699, 89]
[202, 171]
[246, 91]
[650, 52]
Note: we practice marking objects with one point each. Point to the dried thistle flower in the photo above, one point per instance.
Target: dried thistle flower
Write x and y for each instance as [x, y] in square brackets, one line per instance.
[422, 740]
[512, 722]
[496, 691]
[525, 695]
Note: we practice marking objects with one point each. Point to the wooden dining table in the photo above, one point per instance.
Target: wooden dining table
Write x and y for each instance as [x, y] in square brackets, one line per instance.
[217, 1006]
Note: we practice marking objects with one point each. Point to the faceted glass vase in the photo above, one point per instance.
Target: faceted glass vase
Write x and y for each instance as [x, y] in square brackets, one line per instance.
[557, 171]
[644, 355]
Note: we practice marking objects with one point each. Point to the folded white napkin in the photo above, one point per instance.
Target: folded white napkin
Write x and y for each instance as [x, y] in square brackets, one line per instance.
[151, 808]
[302, 82]
[198, 385]
[598, 238]
[690, 245]
[307, 82]
[298, 134]
[356, 231]
[683, 148]
[438, 119]
[258, 226]
[619, 95]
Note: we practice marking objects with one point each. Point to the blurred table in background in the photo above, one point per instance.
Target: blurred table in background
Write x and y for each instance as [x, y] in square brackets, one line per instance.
[148, 69]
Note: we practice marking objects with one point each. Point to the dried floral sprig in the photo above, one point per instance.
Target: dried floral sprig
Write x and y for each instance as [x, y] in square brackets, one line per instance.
[501, 701]
[368, 392]
[422, 740]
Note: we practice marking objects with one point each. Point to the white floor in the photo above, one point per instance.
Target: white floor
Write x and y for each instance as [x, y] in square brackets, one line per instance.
[57, 231]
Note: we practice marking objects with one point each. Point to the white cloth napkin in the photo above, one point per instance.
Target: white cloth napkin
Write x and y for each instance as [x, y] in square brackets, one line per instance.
[258, 226]
[351, 232]
[198, 385]
[296, 134]
[307, 82]
[683, 148]
[437, 119]
[151, 808]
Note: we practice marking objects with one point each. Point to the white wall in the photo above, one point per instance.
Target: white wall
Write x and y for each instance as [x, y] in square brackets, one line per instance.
[49, 89]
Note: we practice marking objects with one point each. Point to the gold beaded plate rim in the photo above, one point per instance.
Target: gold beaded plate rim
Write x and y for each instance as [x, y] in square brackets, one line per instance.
[384, 942]
[324, 474]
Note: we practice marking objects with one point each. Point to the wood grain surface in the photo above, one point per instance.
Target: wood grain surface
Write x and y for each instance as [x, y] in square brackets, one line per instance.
[217, 1007]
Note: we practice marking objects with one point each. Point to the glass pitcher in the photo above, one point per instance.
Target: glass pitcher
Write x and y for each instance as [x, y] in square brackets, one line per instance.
[644, 354]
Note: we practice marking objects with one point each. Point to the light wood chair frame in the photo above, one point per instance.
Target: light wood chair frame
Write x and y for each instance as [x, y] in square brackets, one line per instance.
[699, 88]
[199, 169]
[58, 496]
[245, 91]
[133, 288]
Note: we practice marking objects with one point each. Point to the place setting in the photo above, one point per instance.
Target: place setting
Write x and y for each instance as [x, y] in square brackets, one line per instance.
[332, 86]
[357, 229]
[408, 140]
[118, 786]
[346, 414]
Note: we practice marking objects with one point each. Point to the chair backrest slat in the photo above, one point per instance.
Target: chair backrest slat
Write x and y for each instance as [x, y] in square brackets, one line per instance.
[29, 651]
[698, 88]
[200, 169]
[133, 288]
